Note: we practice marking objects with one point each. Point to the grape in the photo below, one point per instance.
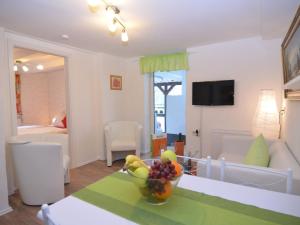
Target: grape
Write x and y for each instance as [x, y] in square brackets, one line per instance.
[159, 174]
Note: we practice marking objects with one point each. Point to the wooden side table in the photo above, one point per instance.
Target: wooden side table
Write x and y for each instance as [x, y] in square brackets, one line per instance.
[158, 142]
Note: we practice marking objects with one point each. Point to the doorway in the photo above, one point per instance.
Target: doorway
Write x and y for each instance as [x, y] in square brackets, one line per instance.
[169, 102]
[36, 65]
[40, 90]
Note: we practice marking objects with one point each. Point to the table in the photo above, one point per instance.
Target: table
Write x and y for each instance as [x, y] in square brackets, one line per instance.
[73, 211]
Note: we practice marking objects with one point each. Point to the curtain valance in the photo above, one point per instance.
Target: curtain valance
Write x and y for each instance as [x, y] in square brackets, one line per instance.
[169, 62]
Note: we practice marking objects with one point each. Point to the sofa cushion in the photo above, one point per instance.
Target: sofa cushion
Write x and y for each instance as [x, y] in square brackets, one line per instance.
[258, 154]
[282, 159]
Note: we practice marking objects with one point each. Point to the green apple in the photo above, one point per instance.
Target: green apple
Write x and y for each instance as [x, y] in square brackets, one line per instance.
[141, 174]
[168, 155]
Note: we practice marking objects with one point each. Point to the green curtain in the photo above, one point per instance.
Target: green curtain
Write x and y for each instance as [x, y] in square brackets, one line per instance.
[169, 62]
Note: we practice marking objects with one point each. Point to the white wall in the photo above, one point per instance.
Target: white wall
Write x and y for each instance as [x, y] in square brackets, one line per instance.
[138, 99]
[253, 63]
[108, 103]
[291, 127]
[35, 99]
[43, 96]
[4, 207]
[57, 93]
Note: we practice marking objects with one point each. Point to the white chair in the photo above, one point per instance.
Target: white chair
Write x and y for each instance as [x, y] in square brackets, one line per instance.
[61, 139]
[47, 217]
[39, 171]
[122, 136]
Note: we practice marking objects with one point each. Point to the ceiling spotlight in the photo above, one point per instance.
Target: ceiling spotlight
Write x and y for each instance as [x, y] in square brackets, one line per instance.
[111, 12]
[15, 68]
[25, 68]
[93, 5]
[124, 36]
[112, 26]
[65, 36]
[40, 67]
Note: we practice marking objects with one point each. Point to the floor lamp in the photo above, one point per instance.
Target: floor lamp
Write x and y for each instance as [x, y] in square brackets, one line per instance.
[266, 118]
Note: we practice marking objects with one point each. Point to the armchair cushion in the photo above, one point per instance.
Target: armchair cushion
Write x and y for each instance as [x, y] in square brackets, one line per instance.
[119, 145]
[258, 154]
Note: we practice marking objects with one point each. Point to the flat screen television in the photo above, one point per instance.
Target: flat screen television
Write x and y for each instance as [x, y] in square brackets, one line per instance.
[213, 93]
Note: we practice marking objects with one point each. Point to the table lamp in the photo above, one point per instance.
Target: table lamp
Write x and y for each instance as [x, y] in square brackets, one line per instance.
[266, 118]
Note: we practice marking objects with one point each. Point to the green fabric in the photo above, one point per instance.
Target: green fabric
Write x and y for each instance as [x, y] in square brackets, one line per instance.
[258, 154]
[170, 62]
[118, 194]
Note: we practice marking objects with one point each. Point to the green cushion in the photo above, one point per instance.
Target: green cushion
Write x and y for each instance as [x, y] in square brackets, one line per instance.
[258, 154]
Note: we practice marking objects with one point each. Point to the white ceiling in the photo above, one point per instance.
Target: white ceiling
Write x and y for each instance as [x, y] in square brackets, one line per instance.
[154, 26]
[32, 58]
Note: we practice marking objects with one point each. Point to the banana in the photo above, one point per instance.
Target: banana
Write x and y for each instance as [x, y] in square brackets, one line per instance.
[131, 158]
[133, 162]
[137, 164]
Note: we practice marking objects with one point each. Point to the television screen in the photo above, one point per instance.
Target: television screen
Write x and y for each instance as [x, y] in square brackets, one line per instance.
[213, 93]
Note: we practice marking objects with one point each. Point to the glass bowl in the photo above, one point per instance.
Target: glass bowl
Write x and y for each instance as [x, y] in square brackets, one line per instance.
[155, 191]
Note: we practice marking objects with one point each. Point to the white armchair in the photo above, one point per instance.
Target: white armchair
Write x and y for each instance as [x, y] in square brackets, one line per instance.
[61, 139]
[39, 171]
[122, 136]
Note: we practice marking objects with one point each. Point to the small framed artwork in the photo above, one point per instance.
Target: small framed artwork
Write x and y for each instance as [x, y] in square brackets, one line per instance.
[115, 82]
[291, 59]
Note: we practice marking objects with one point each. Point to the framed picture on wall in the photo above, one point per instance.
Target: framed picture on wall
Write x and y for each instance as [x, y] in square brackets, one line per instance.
[291, 59]
[115, 82]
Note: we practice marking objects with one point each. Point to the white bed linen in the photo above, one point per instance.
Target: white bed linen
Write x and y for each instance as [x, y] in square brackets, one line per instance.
[36, 129]
[73, 211]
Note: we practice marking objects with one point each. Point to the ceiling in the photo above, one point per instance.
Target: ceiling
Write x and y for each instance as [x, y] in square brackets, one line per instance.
[154, 26]
[32, 58]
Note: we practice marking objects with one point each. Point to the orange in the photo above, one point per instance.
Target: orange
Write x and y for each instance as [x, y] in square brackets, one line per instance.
[178, 168]
[167, 193]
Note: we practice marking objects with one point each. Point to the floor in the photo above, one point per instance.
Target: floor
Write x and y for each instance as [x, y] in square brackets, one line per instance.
[80, 177]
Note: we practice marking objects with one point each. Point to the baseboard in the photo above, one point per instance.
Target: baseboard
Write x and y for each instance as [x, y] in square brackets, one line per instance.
[86, 162]
[4, 211]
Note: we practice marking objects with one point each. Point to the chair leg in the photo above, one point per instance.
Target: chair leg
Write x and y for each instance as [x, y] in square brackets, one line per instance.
[67, 176]
[137, 153]
[109, 158]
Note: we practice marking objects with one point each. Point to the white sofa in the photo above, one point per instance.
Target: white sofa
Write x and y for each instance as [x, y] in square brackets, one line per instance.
[61, 139]
[234, 149]
[122, 136]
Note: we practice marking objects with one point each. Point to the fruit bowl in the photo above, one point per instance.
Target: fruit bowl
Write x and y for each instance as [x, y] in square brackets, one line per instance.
[156, 180]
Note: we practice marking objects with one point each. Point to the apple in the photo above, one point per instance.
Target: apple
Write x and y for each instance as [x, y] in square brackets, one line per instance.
[141, 175]
[168, 155]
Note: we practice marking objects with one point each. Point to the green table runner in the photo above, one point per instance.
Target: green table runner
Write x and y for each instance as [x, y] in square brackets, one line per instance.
[119, 195]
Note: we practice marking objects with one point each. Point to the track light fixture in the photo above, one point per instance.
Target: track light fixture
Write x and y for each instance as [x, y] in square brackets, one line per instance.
[124, 36]
[113, 17]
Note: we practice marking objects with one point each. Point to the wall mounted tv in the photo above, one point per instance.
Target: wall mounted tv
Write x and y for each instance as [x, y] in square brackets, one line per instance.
[213, 93]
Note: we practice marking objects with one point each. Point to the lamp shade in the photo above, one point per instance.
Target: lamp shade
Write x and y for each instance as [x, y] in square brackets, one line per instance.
[266, 118]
